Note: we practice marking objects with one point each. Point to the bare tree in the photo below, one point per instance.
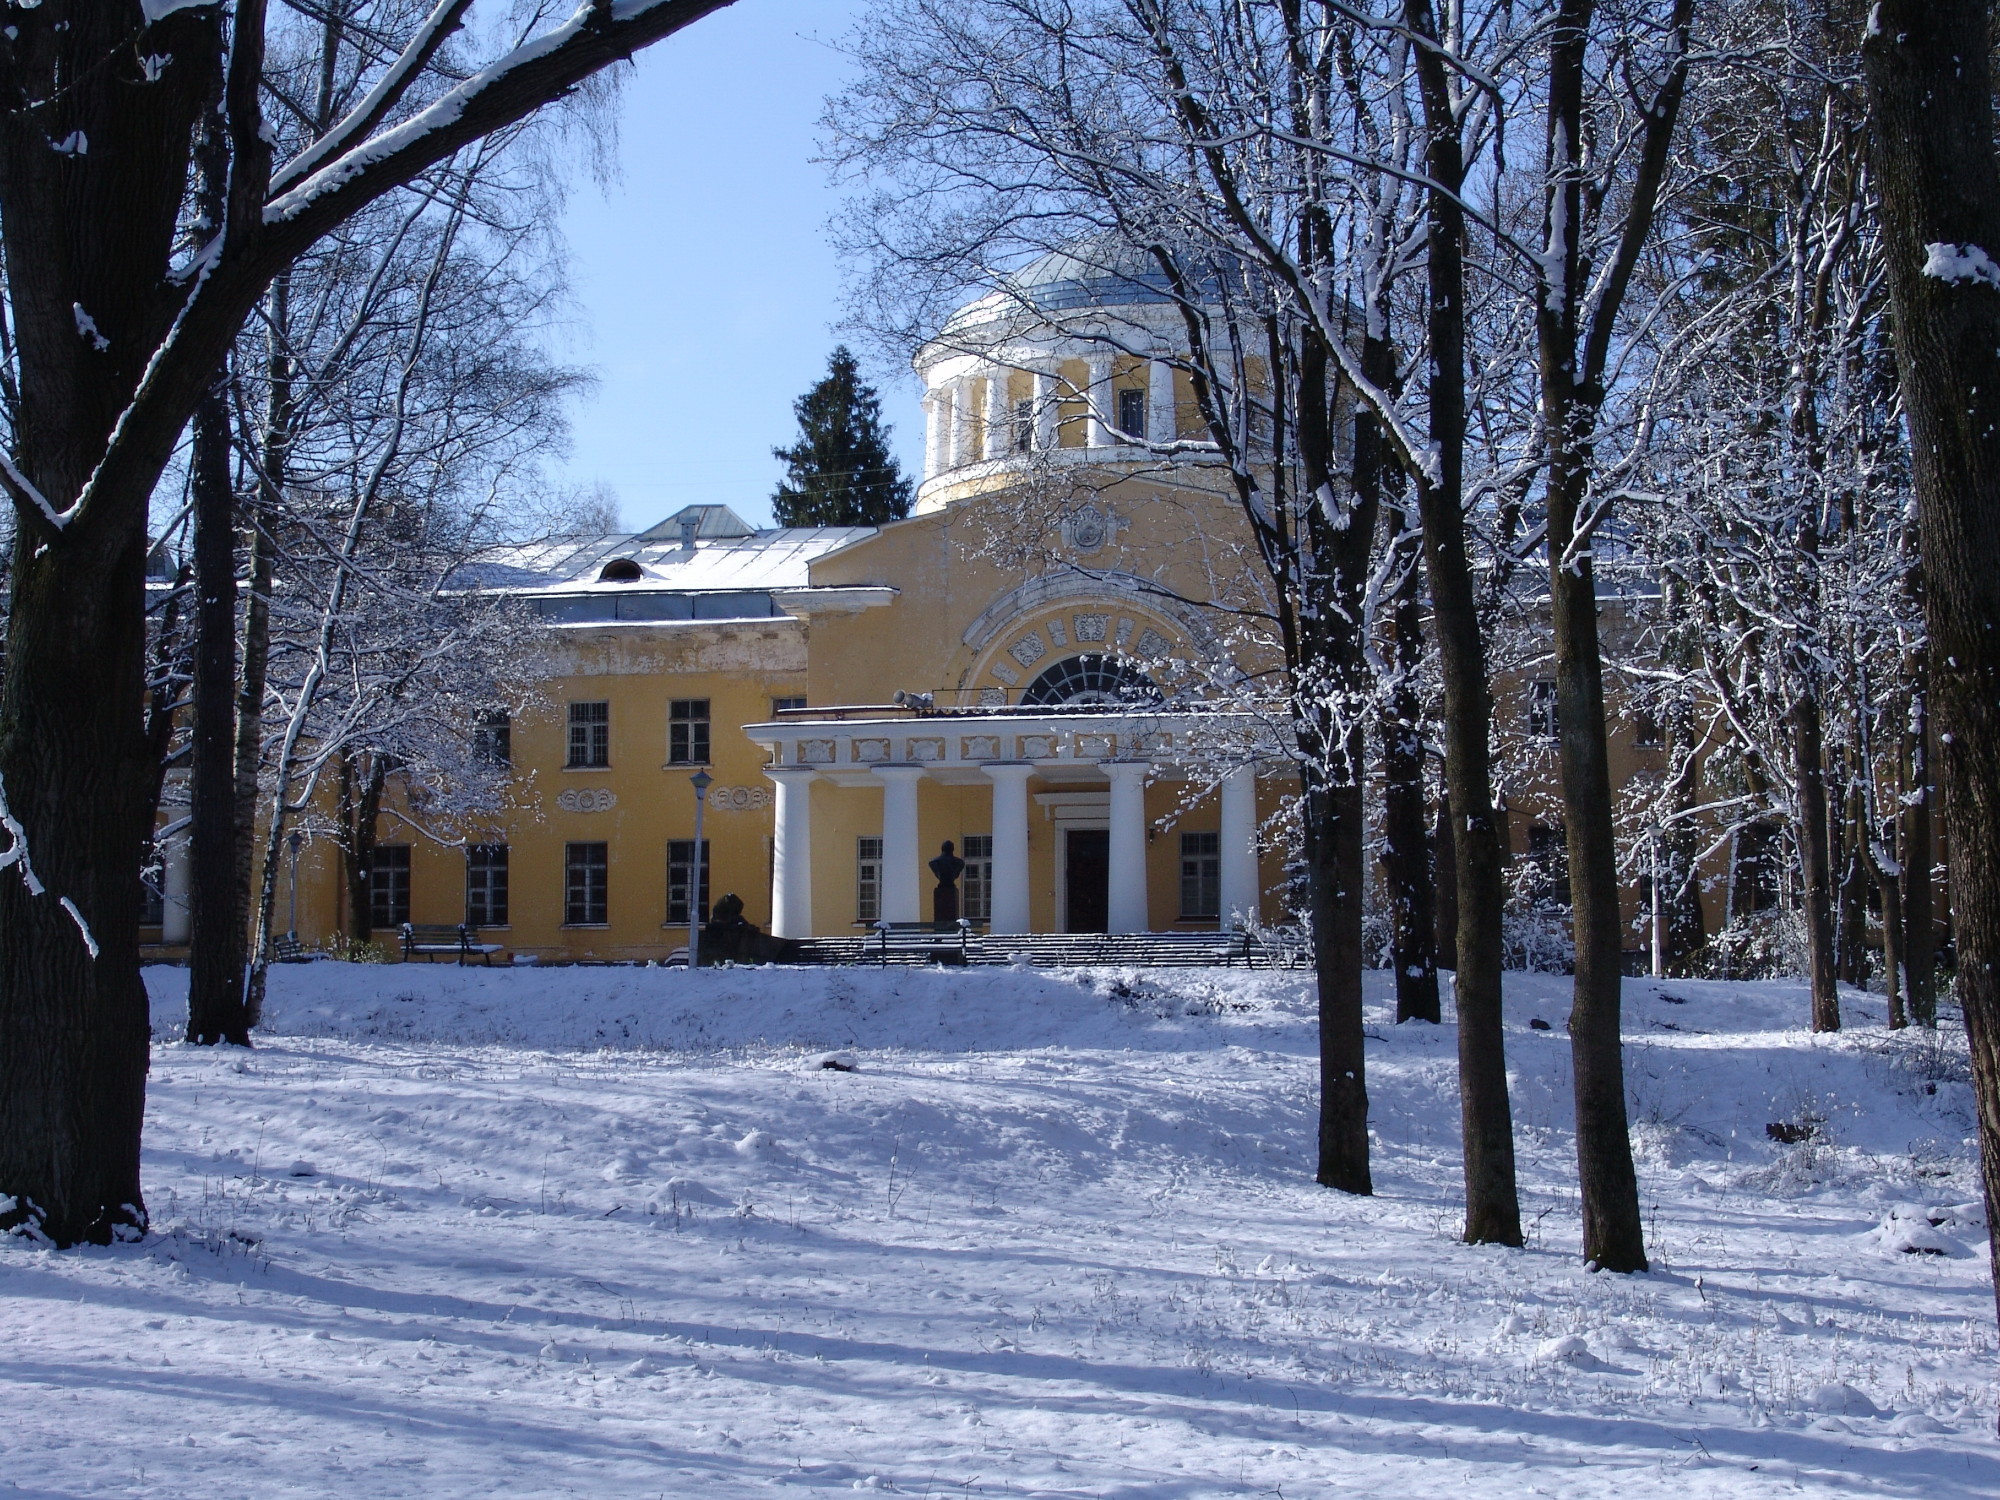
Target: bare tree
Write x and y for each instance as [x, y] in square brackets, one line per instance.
[116, 336]
[1931, 105]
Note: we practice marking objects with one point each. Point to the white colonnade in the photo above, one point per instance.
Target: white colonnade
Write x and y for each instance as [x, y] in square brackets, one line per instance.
[902, 854]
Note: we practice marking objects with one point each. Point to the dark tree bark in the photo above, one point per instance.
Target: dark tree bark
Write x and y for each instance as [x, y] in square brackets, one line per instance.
[363, 775]
[1808, 766]
[1332, 647]
[115, 350]
[1492, 1200]
[1444, 878]
[215, 955]
[275, 465]
[1687, 928]
[1931, 100]
[1919, 929]
[1573, 323]
[1406, 853]
[1855, 877]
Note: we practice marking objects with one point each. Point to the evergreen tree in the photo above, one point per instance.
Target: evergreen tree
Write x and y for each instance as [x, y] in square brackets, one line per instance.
[840, 472]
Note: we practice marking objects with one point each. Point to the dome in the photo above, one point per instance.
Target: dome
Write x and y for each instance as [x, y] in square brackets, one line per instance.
[1097, 272]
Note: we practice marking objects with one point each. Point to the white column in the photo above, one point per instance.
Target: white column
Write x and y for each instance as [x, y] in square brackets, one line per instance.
[999, 414]
[965, 431]
[176, 917]
[1045, 409]
[1127, 895]
[1161, 421]
[1240, 896]
[1010, 846]
[1101, 415]
[791, 852]
[933, 434]
[901, 888]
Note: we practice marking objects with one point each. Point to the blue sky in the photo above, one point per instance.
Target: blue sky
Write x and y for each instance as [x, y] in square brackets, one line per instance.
[705, 284]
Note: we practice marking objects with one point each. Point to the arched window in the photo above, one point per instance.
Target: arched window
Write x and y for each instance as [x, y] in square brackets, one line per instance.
[1090, 678]
[619, 570]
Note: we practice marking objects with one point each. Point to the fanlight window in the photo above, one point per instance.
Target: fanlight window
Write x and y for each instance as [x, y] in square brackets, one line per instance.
[1090, 678]
[619, 570]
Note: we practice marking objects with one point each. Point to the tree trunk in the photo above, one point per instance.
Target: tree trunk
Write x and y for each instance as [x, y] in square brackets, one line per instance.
[1892, 954]
[1492, 1201]
[215, 955]
[1406, 855]
[1932, 115]
[1808, 763]
[1334, 849]
[257, 633]
[360, 805]
[1444, 879]
[1613, 1238]
[1919, 931]
[1854, 880]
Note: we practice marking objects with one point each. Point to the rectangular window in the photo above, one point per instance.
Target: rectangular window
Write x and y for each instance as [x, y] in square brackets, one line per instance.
[1753, 878]
[587, 879]
[687, 732]
[589, 735]
[681, 874]
[1548, 858]
[1132, 414]
[389, 886]
[486, 885]
[976, 885]
[1024, 426]
[1542, 720]
[1201, 875]
[1646, 731]
[785, 705]
[493, 741]
[867, 879]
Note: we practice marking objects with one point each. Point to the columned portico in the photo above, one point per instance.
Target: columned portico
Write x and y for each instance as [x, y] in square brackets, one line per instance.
[791, 851]
[1126, 904]
[1010, 845]
[902, 891]
[1240, 896]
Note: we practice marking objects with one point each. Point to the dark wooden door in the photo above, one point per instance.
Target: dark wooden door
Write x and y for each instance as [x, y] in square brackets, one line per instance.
[1087, 866]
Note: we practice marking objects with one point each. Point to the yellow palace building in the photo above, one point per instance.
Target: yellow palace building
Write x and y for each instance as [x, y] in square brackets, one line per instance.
[860, 695]
[983, 672]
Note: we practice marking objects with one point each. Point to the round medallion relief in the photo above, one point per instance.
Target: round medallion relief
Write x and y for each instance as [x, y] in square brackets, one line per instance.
[1088, 528]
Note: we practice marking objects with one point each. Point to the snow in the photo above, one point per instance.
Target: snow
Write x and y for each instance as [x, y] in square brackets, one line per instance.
[1955, 263]
[619, 1232]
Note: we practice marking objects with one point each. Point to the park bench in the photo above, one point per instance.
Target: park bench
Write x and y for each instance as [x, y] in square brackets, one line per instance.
[432, 940]
[920, 942]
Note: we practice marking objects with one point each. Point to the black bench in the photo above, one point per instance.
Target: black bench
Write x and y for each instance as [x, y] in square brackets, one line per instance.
[432, 940]
[921, 942]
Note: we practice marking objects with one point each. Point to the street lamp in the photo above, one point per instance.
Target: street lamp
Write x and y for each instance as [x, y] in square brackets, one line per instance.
[293, 841]
[701, 783]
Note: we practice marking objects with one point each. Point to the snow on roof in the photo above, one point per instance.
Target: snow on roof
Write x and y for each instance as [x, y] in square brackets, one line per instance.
[774, 559]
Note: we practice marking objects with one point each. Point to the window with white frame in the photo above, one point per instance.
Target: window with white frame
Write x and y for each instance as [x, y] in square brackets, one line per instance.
[1201, 875]
[486, 885]
[867, 879]
[682, 877]
[976, 885]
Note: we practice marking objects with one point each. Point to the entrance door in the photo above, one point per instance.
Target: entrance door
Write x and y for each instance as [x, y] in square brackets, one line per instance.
[1087, 879]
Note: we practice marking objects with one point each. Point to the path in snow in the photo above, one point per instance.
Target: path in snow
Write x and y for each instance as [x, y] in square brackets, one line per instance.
[615, 1232]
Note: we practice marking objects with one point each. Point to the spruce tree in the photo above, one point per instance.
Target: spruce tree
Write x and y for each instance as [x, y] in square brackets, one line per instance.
[840, 472]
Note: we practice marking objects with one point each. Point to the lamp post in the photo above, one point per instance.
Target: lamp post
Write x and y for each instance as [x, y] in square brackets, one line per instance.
[293, 841]
[700, 782]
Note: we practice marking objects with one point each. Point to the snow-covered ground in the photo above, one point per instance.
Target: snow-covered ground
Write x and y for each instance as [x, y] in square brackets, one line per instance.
[617, 1232]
